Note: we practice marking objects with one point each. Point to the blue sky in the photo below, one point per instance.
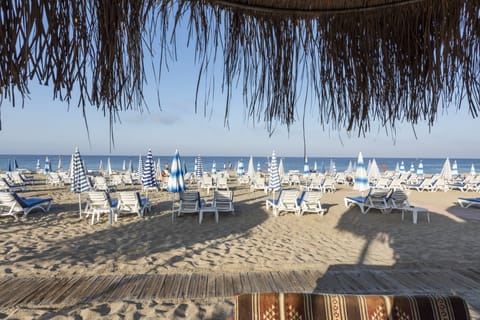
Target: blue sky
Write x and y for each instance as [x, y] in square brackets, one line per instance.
[45, 126]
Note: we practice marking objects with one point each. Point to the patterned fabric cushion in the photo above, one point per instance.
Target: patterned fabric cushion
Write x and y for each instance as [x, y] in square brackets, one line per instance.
[297, 306]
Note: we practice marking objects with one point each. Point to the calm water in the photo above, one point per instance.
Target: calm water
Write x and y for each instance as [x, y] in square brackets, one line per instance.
[430, 165]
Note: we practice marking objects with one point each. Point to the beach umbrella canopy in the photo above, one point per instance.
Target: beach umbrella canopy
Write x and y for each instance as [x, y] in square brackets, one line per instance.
[373, 172]
[281, 169]
[472, 170]
[454, 168]
[446, 172]
[175, 180]
[420, 169]
[59, 167]
[15, 165]
[79, 179]
[250, 168]
[412, 167]
[148, 173]
[199, 167]
[274, 176]
[361, 178]
[109, 167]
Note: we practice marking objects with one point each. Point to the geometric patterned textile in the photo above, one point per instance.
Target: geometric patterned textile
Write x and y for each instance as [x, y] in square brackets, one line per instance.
[79, 179]
[299, 306]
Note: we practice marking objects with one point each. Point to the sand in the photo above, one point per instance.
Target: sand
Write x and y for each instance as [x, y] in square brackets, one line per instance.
[60, 244]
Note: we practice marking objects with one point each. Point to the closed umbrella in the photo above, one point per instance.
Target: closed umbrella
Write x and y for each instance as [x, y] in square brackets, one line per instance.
[259, 167]
[109, 167]
[130, 167]
[15, 165]
[140, 167]
[350, 167]
[402, 167]
[79, 180]
[59, 167]
[48, 165]
[9, 166]
[100, 166]
[251, 169]
[454, 168]
[158, 168]
[374, 172]
[315, 166]
[281, 169]
[306, 167]
[124, 166]
[274, 177]
[214, 167]
[361, 179]
[446, 170]
[472, 170]
[148, 174]
[176, 183]
[199, 167]
[240, 168]
[420, 172]
[333, 168]
[397, 168]
[38, 165]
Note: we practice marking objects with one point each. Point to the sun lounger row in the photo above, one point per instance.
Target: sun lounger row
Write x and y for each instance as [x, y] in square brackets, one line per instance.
[297, 202]
[384, 200]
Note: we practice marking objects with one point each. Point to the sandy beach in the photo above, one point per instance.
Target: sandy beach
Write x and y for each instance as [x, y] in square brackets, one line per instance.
[60, 244]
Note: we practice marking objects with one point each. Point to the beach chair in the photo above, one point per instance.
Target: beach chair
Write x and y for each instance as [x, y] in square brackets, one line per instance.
[328, 185]
[468, 202]
[11, 204]
[310, 202]
[287, 201]
[6, 185]
[258, 184]
[207, 183]
[190, 202]
[398, 199]
[132, 202]
[426, 185]
[101, 184]
[222, 183]
[377, 199]
[223, 201]
[99, 202]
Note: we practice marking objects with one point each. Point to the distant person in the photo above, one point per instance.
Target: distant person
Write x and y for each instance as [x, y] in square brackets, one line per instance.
[384, 167]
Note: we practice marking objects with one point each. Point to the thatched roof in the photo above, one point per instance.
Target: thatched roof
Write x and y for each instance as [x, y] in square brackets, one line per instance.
[355, 61]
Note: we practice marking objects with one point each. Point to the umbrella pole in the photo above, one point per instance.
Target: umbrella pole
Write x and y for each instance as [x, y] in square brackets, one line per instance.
[173, 206]
[80, 204]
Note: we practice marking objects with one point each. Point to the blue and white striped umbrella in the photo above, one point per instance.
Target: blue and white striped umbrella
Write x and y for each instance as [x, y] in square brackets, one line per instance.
[148, 174]
[79, 179]
[454, 168]
[198, 167]
[361, 179]
[15, 165]
[412, 168]
[402, 167]
[420, 169]
[472, 170]
[175, 180]
[140, 167]
[9, 166]
[306, 167]
[79, 175]
[240, 168]
[274, 176]
[214, 167]
[48, 165]
[259, 167]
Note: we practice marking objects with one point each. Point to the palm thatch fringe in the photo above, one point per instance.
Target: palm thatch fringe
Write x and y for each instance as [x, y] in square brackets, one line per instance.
[393, 61]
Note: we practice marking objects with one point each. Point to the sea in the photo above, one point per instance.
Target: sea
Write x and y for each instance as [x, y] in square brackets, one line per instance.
[323, 164]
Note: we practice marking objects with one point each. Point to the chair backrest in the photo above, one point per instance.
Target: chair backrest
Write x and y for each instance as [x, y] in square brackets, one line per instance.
[9, 201]
[189, 201]
[288, 196]
[398, 199]
[130, 199]
[311, 198]
[223, 200]
[378, 197]
[98, 199]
